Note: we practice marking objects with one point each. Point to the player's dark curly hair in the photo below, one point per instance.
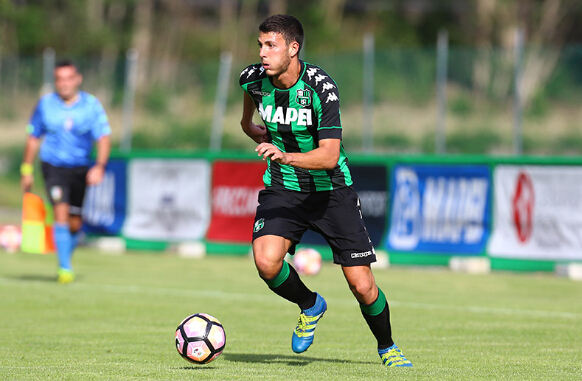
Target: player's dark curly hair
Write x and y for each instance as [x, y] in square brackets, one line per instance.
[289, 27]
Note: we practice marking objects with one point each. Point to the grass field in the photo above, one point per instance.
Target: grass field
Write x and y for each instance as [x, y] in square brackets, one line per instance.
[117, 322]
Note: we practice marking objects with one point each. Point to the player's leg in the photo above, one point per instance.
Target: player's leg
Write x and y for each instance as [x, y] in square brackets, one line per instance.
[344, 229]
[280, 223]
[372, 302]
[57, 191]
[65, 188]
[269, 252]
[63, 242]
[78, 183]
[374, 308]
[275, 231]
[75, 225]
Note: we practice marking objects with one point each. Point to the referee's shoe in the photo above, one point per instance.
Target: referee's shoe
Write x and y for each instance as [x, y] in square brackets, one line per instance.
[65, 276]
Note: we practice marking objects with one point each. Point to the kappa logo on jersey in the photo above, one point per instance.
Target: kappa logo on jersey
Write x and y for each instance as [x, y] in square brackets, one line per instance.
[328, 86]
[319, 78]
[285, 116]
[303, 97]
[249, 71]
[332, 97]
[311, 72]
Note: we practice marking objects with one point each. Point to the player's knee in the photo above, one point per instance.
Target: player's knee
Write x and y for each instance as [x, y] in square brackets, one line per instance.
[266, 266]
[362, 289]
[75, 224]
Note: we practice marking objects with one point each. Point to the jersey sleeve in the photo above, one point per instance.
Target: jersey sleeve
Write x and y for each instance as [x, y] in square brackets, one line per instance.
[35, 126]
[250, 74]
[101, 127]
[328, 110]
[330, 126]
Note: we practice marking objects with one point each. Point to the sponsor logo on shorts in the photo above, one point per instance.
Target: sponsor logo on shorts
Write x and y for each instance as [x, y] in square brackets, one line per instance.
[259, 224]
[362, 255]
[56, 193]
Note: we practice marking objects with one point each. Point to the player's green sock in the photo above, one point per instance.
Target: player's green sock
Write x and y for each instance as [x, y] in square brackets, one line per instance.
[377, 316]
[288, 285]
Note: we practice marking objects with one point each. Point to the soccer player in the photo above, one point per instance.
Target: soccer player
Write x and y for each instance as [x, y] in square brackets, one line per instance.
[307, 183]
[70, 120]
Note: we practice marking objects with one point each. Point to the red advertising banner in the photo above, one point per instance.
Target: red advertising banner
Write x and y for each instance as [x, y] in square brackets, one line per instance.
[235, 189]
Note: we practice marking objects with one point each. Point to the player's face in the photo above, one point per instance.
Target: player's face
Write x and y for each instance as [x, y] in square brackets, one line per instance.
[67, 82]
[275, 53]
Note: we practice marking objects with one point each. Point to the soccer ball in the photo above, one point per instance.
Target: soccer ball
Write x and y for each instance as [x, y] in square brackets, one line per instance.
[10, 238]
[200, 338]
[307, 261]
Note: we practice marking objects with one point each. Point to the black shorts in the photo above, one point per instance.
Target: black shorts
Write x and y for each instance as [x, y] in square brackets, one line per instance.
[66, 185]
[335, 214]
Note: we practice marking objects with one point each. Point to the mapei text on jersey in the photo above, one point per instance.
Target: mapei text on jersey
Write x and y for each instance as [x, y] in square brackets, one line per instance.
[301, 116]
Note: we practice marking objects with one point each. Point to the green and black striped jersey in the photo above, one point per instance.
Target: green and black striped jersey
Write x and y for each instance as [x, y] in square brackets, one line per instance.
[297, 118]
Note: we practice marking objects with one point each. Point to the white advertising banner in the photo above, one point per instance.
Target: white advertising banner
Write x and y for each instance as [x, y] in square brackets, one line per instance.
[537, 212]
[168, 199]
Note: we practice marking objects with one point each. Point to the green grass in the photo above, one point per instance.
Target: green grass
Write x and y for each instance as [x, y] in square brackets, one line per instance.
[117, 322]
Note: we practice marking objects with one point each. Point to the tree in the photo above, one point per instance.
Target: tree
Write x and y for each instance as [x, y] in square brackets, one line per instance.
[546, 24]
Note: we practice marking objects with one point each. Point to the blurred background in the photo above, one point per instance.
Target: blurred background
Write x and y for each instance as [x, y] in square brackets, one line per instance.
[419, 77]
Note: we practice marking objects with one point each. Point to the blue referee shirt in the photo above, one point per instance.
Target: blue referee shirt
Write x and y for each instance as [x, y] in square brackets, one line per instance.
[69, 130]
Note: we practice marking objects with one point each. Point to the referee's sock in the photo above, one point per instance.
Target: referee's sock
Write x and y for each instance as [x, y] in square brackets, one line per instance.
[74, 241]
[63, 241]
[288, 285]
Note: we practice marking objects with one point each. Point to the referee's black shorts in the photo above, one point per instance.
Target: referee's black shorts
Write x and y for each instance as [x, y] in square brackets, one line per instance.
[66, 185]
[335, 214]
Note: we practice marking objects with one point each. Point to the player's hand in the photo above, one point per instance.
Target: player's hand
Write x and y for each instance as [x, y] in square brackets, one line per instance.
[95, 174]
[258, 133]
[269, 151]
[26, 182]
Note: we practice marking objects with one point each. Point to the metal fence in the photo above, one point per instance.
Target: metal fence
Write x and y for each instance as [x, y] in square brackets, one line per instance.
[391, 100]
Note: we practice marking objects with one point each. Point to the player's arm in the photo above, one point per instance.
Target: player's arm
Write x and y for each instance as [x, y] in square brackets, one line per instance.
[254, 131]
[323, 157]
[97, 171]
[26, 169]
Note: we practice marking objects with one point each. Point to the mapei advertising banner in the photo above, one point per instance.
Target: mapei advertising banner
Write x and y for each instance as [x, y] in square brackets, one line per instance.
[371, 184]
[104, 204]
[235, 192]
[537, 213]
[440, 209]
[168, 199]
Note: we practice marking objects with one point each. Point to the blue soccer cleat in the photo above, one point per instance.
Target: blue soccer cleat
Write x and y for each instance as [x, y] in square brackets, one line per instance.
[393, 356]
[303, 334]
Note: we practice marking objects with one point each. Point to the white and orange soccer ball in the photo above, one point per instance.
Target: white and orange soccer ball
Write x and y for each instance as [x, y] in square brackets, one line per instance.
[200, 338]
[307, 261]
